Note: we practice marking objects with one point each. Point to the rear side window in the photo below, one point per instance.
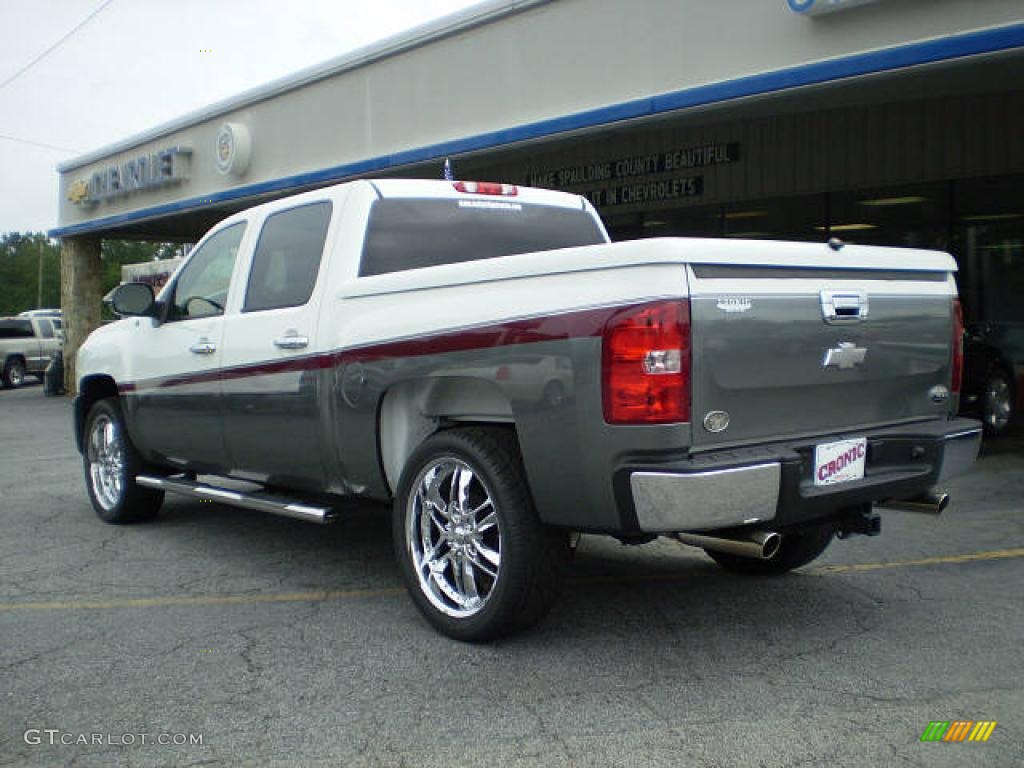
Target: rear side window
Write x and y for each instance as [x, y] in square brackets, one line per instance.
[287, 258]
[16, 329]
[406, 233]
[45, 329]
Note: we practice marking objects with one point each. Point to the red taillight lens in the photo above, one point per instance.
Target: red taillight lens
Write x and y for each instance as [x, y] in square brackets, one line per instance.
[958, 347]
[646, 364]
[486, 188]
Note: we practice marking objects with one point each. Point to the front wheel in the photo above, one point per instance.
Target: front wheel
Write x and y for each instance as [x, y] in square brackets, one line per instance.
[797, 548]
[111, 466]
[476, 559]
[997, 403]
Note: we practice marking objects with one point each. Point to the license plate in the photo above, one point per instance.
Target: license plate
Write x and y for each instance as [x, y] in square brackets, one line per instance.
[840, 462]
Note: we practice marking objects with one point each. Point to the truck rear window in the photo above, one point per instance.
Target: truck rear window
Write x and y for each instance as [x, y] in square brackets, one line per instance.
[405, 233]
[16, 329]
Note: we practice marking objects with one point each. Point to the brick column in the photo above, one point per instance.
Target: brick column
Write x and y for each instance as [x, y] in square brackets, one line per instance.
[80, 297]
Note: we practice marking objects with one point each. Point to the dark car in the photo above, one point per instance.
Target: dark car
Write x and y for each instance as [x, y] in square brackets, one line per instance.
[990, 389]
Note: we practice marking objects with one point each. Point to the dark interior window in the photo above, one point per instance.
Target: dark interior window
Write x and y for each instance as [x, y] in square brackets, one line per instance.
[408, 233]
[16, 329]
[287, 258]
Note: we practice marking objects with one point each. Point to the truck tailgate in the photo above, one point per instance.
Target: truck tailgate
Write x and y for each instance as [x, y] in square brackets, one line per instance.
[787, 351]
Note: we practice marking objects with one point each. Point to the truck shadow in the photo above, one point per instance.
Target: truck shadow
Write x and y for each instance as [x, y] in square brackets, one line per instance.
[612, 594]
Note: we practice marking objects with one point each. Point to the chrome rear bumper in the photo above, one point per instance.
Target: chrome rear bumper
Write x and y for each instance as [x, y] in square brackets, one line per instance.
[909, 461]
[706, 500]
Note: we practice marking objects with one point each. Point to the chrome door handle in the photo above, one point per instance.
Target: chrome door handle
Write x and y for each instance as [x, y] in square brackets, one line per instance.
[203, 347]
[292, 342]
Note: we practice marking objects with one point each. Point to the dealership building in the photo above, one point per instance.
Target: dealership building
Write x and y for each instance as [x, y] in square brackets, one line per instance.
[894, 122]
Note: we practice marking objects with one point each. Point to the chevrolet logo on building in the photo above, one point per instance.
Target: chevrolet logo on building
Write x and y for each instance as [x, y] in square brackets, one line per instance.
[845, 356]
[78, 192]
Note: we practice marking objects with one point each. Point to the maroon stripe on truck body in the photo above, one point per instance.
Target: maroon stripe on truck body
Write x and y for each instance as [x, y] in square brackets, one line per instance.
[579, 324]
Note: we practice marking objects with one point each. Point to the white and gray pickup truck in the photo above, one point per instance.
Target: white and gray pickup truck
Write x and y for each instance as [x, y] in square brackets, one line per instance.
[27, 345]
[480, 355]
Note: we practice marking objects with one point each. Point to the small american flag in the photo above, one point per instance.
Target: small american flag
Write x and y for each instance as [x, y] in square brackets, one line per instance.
[448, 175]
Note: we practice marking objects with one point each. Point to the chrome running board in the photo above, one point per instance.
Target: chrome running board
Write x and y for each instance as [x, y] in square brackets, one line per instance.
[262, 502]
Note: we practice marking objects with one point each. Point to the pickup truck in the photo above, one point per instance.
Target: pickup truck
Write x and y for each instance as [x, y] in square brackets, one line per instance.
[27, 344]
[480, 355]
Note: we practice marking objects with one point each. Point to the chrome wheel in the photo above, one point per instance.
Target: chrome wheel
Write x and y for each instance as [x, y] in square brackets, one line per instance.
[105, 454]
[15, 374]
[453, 536]
[998, 403]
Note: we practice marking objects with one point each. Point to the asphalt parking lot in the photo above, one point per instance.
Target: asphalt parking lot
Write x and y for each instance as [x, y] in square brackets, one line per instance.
[278, 642]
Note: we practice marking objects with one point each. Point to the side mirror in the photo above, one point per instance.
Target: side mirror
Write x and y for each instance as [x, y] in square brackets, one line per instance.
[133, 300]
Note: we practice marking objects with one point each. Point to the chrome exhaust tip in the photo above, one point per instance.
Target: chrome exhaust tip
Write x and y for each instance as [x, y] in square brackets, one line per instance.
[759, 545]
[926, 503]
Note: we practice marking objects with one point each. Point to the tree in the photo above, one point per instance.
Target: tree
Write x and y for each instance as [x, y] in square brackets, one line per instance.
[19, 267]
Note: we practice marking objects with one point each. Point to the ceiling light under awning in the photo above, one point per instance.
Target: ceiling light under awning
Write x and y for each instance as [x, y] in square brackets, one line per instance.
[994, 217]
[847, 227]
[884, 202]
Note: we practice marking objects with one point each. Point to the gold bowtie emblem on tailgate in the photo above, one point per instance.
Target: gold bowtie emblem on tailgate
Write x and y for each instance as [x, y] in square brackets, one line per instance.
[845, 356]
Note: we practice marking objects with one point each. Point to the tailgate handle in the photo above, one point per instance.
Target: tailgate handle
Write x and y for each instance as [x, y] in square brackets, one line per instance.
[844, 306]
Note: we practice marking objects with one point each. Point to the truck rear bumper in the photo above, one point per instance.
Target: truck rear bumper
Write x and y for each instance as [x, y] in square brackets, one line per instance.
[771, 486]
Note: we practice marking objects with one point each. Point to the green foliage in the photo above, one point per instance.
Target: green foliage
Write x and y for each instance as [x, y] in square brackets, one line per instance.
[19, 267]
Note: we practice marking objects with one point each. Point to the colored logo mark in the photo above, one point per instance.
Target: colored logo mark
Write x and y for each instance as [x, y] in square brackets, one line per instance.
[958, 730]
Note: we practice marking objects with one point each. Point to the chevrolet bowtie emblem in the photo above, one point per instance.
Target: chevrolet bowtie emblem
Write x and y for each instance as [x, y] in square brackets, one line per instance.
[845, 356]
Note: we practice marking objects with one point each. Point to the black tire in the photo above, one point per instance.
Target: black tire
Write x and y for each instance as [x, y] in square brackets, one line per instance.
[111, 465]
[997, 401]
[505, 597]
[14, 373]
[798, 548]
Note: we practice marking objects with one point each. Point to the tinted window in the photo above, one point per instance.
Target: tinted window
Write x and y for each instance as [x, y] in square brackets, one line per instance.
[287, 258]
[411, 233]
[202, 286]
[16, 329]
[45, 329]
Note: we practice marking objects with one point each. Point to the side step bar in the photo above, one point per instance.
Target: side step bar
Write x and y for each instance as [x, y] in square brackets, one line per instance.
[262, 502]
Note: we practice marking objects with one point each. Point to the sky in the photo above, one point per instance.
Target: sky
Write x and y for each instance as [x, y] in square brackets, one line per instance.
[105, 70]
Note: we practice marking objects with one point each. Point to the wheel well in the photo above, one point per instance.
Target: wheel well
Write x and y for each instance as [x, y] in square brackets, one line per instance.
[90, 390]
[413, 410]
[14, 356]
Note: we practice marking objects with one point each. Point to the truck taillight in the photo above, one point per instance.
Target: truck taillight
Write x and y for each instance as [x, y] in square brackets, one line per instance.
[958, 347]
[486, 188]
[646, 364]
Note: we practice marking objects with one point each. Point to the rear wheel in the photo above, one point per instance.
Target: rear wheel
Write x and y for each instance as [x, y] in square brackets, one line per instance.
[797, 548]
[14, 373]
[476, 559]
[111, 465]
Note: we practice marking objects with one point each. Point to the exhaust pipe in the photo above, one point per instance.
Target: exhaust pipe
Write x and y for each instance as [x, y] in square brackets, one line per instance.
[926, 503]
[760, 545]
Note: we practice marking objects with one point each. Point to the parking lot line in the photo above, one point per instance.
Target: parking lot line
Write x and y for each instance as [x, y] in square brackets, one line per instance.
[996, 554]
[314, 596]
